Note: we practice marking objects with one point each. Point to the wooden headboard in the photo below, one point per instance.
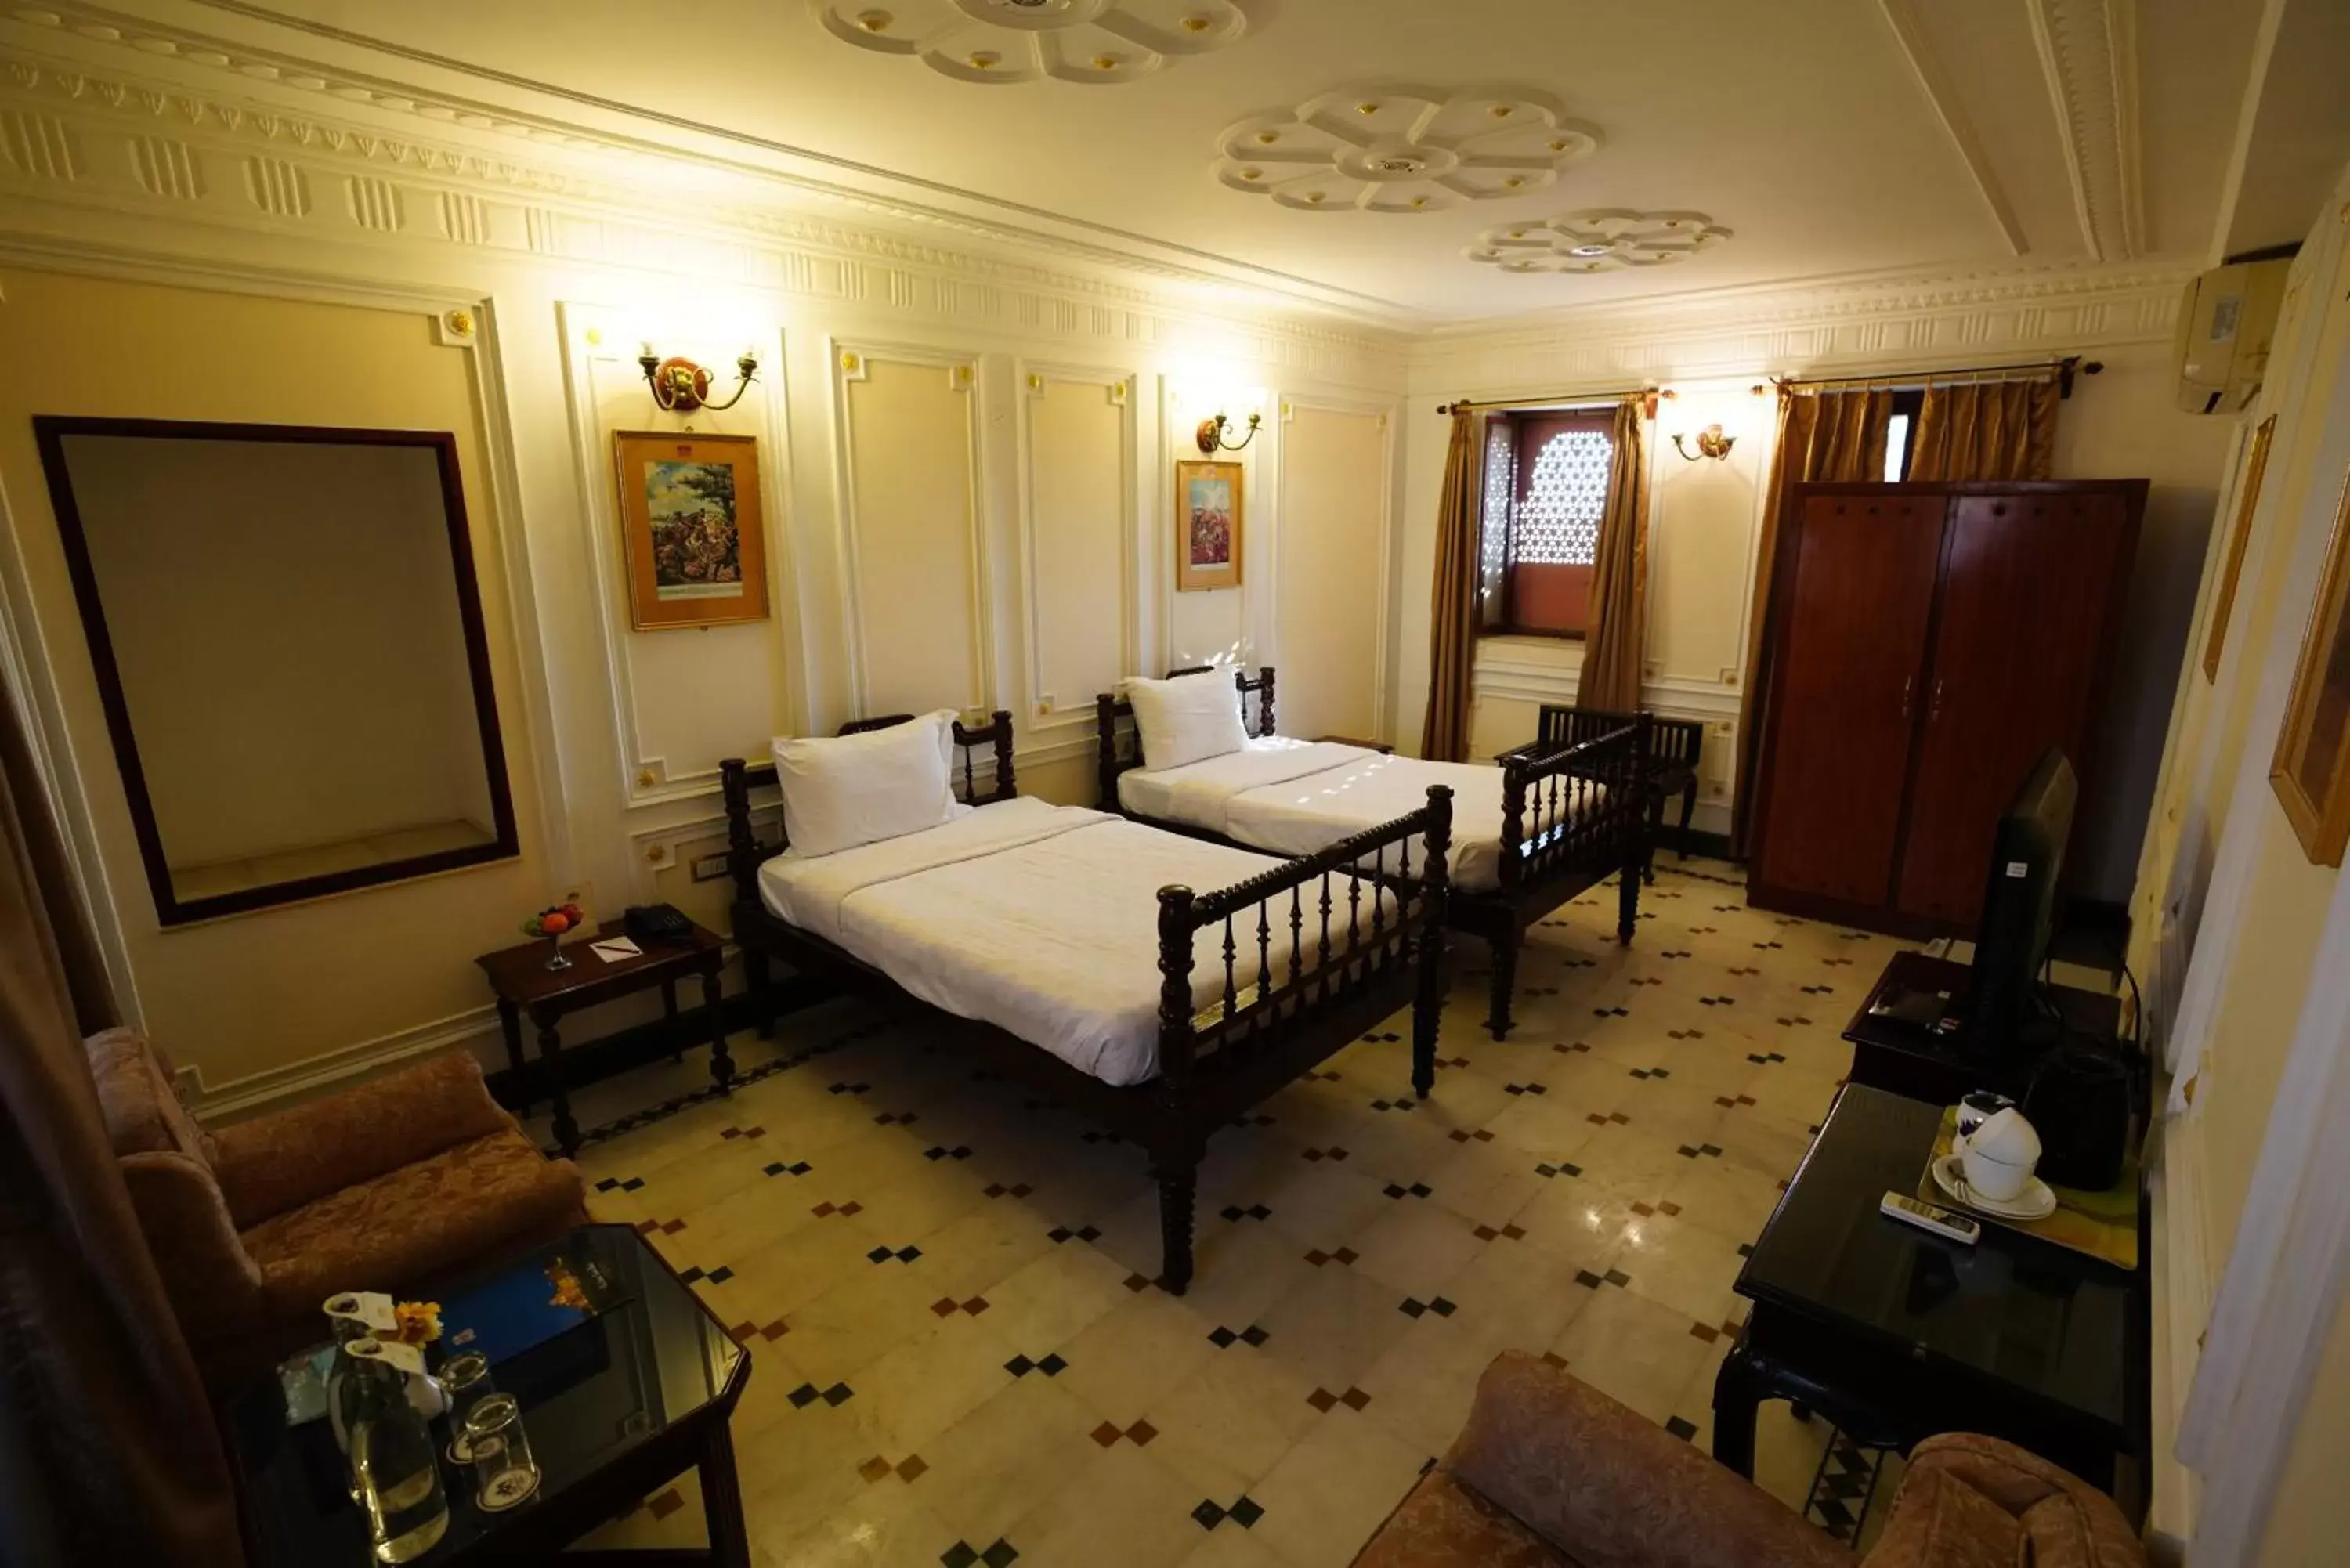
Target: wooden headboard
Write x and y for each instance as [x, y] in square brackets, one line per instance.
[738, 778]
[1110, 708]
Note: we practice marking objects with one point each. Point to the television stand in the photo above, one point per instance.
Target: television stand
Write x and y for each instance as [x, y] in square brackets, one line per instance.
[1902, 1051]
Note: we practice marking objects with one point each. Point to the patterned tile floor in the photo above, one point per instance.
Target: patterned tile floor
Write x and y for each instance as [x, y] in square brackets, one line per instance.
[958, 1359]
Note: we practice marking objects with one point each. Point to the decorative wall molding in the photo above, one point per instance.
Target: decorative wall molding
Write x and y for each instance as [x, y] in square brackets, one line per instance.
[1598, 239]
[1402, 148]
[852, 362]
[272, 170]
[592, 338]
[1389, 416]
[1909, 322]
[315, 1075]
[1058, 712]
[1002, 42]
[2088, 55]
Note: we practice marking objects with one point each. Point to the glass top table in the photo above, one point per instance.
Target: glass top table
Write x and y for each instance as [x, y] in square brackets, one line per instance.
[1900, 1334]
[615, 1406]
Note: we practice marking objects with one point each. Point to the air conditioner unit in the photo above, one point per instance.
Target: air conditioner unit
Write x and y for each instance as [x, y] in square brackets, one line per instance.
[2225, 327]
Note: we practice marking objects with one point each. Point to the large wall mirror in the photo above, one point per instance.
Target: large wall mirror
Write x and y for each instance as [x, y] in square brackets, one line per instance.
[288, 642]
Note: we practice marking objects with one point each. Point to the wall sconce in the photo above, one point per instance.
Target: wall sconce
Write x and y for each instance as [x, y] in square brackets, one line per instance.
[679, 386]
[1211, 434]
[1710, 443]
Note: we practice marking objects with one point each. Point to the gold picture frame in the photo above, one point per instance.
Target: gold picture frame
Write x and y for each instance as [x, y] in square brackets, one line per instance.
[690, 528]
[1211, 507]
[2310, 773]
[2239, 535]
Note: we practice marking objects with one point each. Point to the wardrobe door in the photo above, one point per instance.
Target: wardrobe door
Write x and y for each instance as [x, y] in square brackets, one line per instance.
[2029, 596]
[1852, 608]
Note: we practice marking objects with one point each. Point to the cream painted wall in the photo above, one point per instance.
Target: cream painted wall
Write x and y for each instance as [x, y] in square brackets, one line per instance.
[286, 615]
[239, 996]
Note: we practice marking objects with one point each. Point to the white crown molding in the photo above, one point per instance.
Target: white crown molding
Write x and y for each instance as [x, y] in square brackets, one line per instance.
[2088, 57]
[574, 142]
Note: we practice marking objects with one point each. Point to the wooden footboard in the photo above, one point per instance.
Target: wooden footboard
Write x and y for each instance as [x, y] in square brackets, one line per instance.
[1310, 955]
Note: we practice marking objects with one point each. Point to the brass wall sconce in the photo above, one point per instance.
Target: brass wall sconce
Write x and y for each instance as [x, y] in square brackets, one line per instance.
[1211, 434]
[680, 387]
[1710, 443]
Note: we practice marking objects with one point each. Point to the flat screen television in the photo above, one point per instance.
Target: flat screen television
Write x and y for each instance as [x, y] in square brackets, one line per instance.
[2020, 908]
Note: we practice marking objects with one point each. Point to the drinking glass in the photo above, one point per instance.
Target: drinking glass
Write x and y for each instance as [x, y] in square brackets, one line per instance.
[504, 1471]
[465, 1379]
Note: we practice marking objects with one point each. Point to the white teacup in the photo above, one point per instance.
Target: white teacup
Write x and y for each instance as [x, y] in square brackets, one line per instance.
[2000, 1156]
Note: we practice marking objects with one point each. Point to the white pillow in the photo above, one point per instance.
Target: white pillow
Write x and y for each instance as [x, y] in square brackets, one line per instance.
[1187, 720]
[848, 790]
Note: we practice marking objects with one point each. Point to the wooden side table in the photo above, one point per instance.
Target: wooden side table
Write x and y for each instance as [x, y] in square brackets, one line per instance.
[523, 983]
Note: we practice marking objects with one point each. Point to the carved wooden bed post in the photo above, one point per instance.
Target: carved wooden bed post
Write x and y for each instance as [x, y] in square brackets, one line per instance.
[1427, 1006]
[1265, 701]
[1510, 872]
[1005, 787]
[1175, 1163]
[742, 864]
[1636, 826]
[1106, 733]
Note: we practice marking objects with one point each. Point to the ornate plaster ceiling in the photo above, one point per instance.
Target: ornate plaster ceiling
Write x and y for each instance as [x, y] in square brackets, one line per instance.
[1602, 240]
[1843, 141]
[1002, 42]
[1396, 149]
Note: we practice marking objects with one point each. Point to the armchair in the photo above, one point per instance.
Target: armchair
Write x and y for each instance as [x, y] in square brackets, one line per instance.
[1550, 1473]
[394, 1185]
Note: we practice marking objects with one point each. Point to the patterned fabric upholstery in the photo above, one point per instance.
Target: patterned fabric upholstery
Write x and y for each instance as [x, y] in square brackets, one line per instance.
[1550, 1473]
[412, 1223]
[390, 1185]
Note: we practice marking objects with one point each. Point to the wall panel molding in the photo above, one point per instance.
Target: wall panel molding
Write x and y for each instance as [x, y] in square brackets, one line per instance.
[1388, 412]
[1061, 713]
[852, 362]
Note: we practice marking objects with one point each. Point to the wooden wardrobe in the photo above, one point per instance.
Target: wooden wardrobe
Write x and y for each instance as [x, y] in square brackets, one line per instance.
[1928, 641]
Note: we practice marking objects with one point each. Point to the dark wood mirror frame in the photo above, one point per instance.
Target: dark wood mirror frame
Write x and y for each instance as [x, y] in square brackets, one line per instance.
[51, 432]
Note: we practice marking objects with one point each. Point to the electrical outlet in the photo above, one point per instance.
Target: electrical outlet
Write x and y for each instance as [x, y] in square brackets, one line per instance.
[709, 867]
[187, 1082]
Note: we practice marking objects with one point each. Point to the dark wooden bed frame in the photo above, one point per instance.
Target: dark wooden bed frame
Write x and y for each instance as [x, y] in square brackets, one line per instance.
[1572, 815]
[1674, 747]
[1276, 1019]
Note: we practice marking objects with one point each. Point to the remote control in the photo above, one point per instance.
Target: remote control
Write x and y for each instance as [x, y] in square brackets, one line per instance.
[1947, 1224]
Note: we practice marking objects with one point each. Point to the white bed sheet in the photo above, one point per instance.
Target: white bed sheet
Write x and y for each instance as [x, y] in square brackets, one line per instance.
[1038, 918]
[1294, 797]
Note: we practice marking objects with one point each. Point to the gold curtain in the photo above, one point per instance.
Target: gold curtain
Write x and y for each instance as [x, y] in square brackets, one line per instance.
[1457, 600]
[1823, 435]
[107, 1451]
[1617, 626]
[1986, 430]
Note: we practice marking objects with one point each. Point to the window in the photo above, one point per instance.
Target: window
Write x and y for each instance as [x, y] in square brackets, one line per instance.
[1546, 492]
[1898, 429]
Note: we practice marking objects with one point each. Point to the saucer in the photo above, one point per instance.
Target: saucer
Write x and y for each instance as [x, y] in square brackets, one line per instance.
[2036, 1201]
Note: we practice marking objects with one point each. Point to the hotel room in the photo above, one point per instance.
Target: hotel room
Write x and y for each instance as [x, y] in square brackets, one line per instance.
[1254, 784]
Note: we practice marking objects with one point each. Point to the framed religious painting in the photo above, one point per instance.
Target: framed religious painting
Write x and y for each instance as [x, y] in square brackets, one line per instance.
[1209, 507]
[2312, 771]
[690, 523]
[2239, 534]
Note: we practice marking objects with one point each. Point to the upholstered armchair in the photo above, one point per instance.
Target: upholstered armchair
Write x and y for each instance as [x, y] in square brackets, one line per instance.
[393, 1186]
[1551, 1473]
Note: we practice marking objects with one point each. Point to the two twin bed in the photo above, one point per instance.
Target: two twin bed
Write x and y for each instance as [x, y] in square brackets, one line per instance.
[1071, 949]
[1074, 951]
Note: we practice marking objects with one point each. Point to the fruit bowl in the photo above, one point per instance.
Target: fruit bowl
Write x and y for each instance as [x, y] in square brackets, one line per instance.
[552, 922]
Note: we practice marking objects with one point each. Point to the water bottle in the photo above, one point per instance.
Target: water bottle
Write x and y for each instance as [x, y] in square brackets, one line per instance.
[395, 1464]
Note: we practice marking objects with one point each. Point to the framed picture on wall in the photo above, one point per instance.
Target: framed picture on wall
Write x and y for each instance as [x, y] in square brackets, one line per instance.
[1209, 503]
[2248, 497]
[2312, 771]
[690, 521]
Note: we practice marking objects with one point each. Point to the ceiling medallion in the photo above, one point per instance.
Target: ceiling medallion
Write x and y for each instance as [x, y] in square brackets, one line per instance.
[1391, 149]
[1602, 240]
[1004, 41]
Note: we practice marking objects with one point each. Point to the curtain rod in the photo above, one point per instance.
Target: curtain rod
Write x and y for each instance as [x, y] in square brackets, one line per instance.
[2065, 369]
[1555, 400]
